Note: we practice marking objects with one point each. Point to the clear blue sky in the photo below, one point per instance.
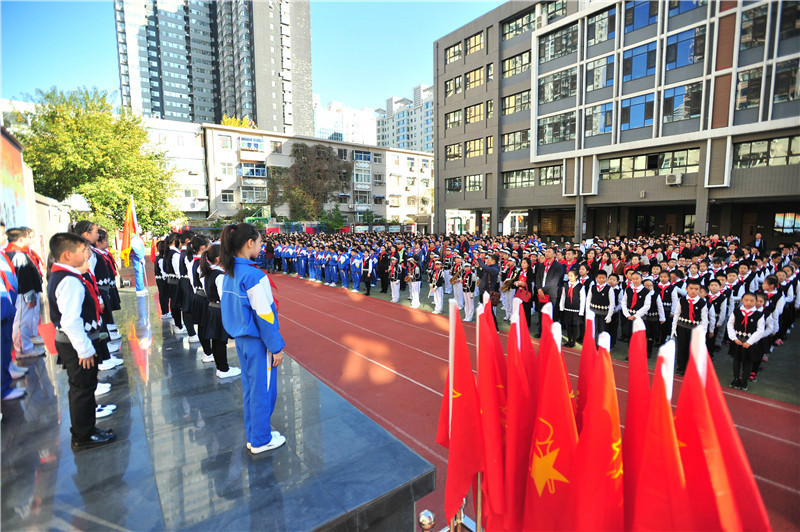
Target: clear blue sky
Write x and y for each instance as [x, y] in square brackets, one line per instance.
[363, 52]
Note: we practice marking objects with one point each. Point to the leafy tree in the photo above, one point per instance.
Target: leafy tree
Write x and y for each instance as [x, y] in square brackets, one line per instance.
[302, 206]
[76, 144]
[335, 219]
[369, 217]
[317, 171]
[238, 122]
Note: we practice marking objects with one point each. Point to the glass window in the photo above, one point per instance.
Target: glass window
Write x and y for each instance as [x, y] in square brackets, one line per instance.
[639, 14]
[683, 103]
[601, 27]
[676, 7]
[637, 112]
[225, 142]
[489, 109]
[452, 54]
[634, 166]
[251, 144]
[556, 128]
[377, 179]
[558, 44]
[475, 43]
[773, 152]
[686, 48]
[361, 176]
[453, 151]
[550, 175]
[519, 178]
[748, 89]
[754, 28]
[474, 148]
[516, 65]
[226, 196]
[474, 113]
[519, 25]
[253, 170]
[364, 156]
[275, 146]
[452, 86]
[452, 120]
[787, 222]
[453, 184]
[787, 81]
[474, 78]
[639, 62]
[790, 19]
[600, 73]
[473, 182]
[489, 145]
[599, 119]
[226, 169]
[558, 86]
[518, 140]
[520, 101]
[363, 197]
[377, 158]
[555, 9]
[489, 72]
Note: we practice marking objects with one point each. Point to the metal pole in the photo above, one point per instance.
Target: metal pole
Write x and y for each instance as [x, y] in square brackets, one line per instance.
[479, 504]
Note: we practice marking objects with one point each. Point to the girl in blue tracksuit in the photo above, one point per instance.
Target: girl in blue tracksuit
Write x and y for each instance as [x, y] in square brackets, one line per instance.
[250, 317]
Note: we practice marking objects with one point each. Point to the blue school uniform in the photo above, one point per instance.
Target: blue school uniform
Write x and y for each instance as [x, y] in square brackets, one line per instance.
[8, 309]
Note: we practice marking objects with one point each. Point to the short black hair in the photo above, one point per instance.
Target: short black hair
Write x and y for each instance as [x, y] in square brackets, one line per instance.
[16, 233]
[693, 281]
[102, 235]
[714, 281]
[61, 242]
[601, 272]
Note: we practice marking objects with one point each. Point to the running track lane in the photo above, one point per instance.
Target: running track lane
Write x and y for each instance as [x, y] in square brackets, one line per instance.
[390, 361]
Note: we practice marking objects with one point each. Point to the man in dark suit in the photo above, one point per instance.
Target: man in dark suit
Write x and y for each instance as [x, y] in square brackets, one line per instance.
[548, 278]
[489, 273]
[758, 244]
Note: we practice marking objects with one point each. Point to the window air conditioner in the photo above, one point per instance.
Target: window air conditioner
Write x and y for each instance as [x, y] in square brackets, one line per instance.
[674, 179]
[349, 205]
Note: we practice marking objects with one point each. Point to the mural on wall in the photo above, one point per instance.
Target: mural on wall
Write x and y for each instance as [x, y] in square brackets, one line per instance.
[12, 185]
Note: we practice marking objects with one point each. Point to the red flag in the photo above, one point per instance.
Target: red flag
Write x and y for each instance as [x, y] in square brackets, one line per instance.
[130, 227]
[554, 439]
[662, 501]
[638, 406]
[492, 400]
[546, 345]
[597, 469]
[521, 416]
[707, 479]
[588, 352]
[459, 422]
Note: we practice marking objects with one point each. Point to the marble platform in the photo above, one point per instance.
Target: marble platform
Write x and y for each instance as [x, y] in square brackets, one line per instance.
[180, 460]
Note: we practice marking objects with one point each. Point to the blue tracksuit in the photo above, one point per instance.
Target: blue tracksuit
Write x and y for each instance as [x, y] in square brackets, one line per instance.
[355, 270]
[8, 309]
[250, 316]
[302, 261]
[344, 266]
[330, 274]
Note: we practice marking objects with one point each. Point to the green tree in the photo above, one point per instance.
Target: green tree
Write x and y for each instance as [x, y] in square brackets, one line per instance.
[302, 206]
[335, 220]
[317, 171]
[76, 144]
[369, 217]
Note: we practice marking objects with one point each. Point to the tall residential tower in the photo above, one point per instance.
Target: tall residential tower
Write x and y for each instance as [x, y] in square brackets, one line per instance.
[408, 124]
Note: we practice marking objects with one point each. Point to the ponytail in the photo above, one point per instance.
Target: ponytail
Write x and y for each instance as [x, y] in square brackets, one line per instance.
[196, 243]
[234, 237]
[209, 256]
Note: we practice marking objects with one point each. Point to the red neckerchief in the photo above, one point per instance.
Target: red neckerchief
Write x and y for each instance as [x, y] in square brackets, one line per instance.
[570, 293]
[663, 288]
[602, 264]
[746, 316]
[691, 308]
[589, 262]
[13, 246]
[614, 264]
[9, 287]
[90, 285]
[466, 275]
[109, 262]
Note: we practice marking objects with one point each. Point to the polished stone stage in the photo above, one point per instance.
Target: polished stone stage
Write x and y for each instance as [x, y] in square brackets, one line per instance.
[180, 461]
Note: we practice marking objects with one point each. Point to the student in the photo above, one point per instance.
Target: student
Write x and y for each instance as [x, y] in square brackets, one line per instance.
[250, 316]
[615, 295]
[745, 329]
[366, 272]
[161, 281]
[199, 301]
[691, 311]
[773, 306]
[185, 290]
[394, 279]
[75, 312]
[29, 283]
[105, 271]
[171, 263]
[437, 287]
[469, 281]
[414, 283]
[654, 318]
[636, 301]
[8, 304]
[572, 306]
[600, 300]
[211, 277]
[719, 302]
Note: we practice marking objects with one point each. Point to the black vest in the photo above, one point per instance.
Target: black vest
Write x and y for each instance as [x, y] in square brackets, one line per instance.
[600, 295]
[640, 298]
[211, 286]
[772, 303]
[101, 270]
[182, 269]
[168, 269]
[157, 269]
[88, 310]
[721, 298]
[698, 309]
[752, 321]
[196, 274]
[575, 302]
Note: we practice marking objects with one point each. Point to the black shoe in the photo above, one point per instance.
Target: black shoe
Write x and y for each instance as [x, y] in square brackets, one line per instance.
[103, 431]
[95, 440]
[735, 384]
[626, 359]
[743, 385]
[753, 377]
[537, 335]
[680, 373]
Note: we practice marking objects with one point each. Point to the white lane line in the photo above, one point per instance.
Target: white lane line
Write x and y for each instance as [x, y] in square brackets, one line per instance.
[777, 484]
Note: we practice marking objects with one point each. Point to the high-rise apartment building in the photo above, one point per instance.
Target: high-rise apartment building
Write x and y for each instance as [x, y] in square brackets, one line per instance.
[337, 122]
[632, 117]
[197, 60]
[408, 124]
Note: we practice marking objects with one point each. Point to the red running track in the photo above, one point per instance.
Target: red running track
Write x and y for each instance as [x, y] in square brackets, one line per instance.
[390, 361]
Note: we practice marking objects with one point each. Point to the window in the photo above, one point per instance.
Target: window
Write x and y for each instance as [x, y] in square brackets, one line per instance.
[515, 103]
[453, 152]
[452, 184]
[489, 145]
[790, 19]
[377, 200]
[676, 7]
[683, 103]
[474, 148]
[452, 87]
[556, 128]
[771, 152]
[225, 142]
[475, 43]
[411, 201]
[754, 28]
[518, 140]
[452, 120]
[550, 175]
[489, 109]
[664, 163]
[342, 154]
[639, 14]
[344, 198]
[361, 176]
[226, 196]
[378, 179]
[637, 112]
[519, 178]
[474, 78]
[686, 48]
[600, 73]
[452, 54]
[601, 27]
[363, 197]
[474, 113]
[410, 161]
[639, 62]
[473, 183]
[555, 9]
[226, 169]
[377, 158]
[394, 200]
[275, 146]
[787, 222]
[253, 170]
[251, 144]
[558, 44]
[361, 156]
[253, 194]
[748, 89]
[558, 86]
[489, 72]
[517, 26]
[787, 81]
[517, 64]
[599, 119]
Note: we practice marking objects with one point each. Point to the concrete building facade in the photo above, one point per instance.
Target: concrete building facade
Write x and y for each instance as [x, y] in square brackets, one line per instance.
[628, 117]
[407, 124]
[337, 122]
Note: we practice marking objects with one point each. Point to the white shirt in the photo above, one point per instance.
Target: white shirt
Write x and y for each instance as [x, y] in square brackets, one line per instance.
[760, 330]
[70, 294]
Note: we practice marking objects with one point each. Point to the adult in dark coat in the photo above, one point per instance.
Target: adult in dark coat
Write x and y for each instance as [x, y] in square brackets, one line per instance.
[489, 273]
[548, 279]
[758, 244]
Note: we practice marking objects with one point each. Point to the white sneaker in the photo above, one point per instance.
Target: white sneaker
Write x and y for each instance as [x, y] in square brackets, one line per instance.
[167, 316]
[274, 443]
[232, 372]
[114, 335]
[17, 368]
[113, 347]
[17, 373]
[116, 360]
[102, 411]
[35, 352]
[16, 393]
[182, 330]
[207, 358]
[194, 339]
[37, 340]
[356, 291]
[106, 365]
[141, 293]
[102, 389]
[274, 434]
